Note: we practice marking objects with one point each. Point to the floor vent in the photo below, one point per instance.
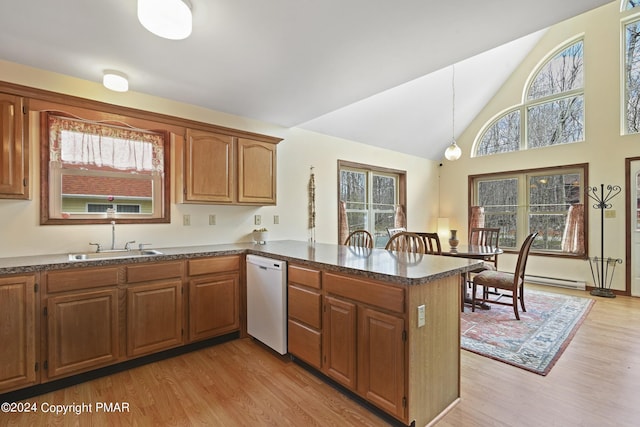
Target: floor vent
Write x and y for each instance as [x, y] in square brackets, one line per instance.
[554, 281]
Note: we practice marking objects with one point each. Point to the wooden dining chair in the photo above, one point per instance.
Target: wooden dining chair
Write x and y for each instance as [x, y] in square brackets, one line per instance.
[360, 238]
[431, 243]
[405, 242]
[510, 282]
[484, 236]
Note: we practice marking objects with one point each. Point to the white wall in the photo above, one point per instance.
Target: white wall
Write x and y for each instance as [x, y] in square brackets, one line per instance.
[604, 148]
[21, 234]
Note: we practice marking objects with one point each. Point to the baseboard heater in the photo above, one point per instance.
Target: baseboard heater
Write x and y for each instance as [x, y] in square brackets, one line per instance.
[554, 281]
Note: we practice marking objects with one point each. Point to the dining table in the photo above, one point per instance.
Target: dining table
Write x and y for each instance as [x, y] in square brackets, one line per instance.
[473, 252]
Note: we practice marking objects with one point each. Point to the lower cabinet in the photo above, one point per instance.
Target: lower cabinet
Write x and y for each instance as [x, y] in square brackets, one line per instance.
[82, 325]
[381, 361]
[82, 331]
[304, 308]
[364, 340]
[214, 296]
[339, 360]
[213, 306]
[154, 317]
[154, 307]
[18, 355]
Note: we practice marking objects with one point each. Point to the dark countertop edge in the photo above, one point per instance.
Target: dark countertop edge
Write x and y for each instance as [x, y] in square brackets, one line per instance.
[29, 264]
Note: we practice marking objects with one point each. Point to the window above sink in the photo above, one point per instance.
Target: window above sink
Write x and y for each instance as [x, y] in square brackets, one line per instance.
[97, 171]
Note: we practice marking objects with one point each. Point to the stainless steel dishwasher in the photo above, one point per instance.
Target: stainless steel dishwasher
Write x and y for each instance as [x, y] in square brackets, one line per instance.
[267, 301]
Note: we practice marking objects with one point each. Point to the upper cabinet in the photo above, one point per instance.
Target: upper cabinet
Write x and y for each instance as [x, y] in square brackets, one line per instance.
[14, 159]
[229, 169]
[209, 167]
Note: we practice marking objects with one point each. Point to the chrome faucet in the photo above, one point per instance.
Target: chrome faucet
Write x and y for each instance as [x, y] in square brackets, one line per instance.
[127, 246]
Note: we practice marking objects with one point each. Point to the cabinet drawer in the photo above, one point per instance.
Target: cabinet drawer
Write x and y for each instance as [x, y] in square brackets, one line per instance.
[147, 272]
[69, 280]
[305, 305]
[304, 276]
[368, 292]
[305, 343]
[220, 264]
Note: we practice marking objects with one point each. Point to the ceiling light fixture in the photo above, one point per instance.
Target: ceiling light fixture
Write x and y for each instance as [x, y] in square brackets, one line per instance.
[115, 80]
[171, 19]
[453, 152]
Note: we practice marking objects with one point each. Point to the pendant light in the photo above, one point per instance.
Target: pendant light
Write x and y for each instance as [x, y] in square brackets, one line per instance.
[453, 152]
[170, 19]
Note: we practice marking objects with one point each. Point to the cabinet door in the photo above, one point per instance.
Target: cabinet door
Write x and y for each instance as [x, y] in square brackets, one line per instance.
[381, 360]
[214, 306]
[82, 331]
[256, 172]
[339, 331]
[17, 332]
[209, 167]
[14, 158]
[154, 317]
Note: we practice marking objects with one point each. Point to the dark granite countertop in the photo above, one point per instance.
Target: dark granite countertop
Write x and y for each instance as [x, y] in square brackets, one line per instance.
[380, 264]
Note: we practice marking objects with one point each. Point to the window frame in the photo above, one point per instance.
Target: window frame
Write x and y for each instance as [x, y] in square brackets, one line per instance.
[526, 104]
[50, 199]
[523, 208]
[401, 187]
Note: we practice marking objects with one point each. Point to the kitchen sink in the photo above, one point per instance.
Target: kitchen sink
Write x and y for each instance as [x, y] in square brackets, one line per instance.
[96, 256]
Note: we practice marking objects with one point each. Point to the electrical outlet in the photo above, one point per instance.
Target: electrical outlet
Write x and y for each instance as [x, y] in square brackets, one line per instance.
[257, 220]
[186, 219]
[422, 319]
[212, 219]
[276, 219]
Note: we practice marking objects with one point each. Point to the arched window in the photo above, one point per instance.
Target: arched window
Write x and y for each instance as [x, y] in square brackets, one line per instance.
[551, 114]
[630, 4]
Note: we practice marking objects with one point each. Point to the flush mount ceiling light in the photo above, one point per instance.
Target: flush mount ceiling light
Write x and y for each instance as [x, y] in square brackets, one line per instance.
[170, 19]
[453, 152]
[115, 80]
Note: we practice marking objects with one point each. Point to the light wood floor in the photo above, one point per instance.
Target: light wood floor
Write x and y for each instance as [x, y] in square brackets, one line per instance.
[596, 382]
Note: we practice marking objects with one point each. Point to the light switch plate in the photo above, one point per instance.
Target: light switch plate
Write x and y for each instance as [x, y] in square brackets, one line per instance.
[212, 219]
[422, 316]
[257, 219]
[186, 219]
[276, 219]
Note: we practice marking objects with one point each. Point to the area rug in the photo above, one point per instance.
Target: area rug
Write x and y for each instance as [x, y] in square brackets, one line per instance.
[536, 341]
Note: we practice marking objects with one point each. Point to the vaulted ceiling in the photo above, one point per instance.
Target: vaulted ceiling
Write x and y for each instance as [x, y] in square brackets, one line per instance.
[373, 71]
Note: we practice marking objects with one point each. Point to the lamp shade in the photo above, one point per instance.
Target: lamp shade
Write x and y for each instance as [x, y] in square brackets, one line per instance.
[115, 80]
[170, 19]
[453, 152]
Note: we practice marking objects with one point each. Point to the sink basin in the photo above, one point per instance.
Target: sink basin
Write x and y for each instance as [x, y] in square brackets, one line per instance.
[94, 256]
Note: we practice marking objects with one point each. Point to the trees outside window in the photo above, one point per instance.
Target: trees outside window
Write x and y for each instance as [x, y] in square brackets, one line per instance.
[551, 114]
[371, 195]
[536, 200]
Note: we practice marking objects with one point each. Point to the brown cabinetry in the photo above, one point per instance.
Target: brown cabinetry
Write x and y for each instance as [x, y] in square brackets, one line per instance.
[365, 339]
[304, 338]
[14, 144]
[256, 172]
[18, 325]
[209, 167]
[82, 320]
[227, 169]
[214, 296]
[154, 307]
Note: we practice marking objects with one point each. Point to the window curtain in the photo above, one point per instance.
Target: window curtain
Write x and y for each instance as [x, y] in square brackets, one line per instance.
[343, 223]
[573, 236]
[78, 142]
[476, 220]
[400, 220]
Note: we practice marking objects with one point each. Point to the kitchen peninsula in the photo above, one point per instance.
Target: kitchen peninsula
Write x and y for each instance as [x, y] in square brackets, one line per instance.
[384, 325]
